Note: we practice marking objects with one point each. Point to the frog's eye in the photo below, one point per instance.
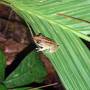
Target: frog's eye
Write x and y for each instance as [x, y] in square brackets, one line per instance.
[39, 34]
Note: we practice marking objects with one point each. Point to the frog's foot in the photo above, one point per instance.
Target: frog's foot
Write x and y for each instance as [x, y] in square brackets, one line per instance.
[40, 49]
[36, 48]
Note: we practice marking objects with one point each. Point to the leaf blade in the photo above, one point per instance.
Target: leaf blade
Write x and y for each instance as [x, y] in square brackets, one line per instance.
[50, 9]
[30, 70]
[2, 65]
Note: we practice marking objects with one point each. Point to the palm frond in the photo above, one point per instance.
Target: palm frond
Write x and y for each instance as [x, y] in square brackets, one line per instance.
[72, 59]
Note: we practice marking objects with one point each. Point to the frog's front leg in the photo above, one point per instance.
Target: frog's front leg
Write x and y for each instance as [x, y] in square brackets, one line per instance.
[40, 49]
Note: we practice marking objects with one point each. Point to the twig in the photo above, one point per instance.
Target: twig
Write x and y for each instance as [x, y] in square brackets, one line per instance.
[54, 84]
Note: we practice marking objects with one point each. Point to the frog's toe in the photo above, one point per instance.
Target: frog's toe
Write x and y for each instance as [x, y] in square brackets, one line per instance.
[37, 49]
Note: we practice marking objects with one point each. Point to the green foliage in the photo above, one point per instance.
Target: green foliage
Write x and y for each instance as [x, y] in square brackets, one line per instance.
[72, 60]
[30, 70]
[50, 11]
[2, 65]
[3, 87]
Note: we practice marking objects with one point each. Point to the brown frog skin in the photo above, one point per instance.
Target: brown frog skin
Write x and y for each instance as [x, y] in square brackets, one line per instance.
[44, 43]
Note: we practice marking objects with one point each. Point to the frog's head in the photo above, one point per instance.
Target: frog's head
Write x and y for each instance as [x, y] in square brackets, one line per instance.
[37, 39]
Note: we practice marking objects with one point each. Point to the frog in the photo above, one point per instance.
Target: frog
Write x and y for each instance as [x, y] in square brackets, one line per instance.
[44, 43]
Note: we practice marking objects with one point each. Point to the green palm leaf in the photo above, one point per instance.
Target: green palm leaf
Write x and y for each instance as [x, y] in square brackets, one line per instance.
[3, 87]
[51, 10]
[27, 72]
[2, 66]
[72, 59]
